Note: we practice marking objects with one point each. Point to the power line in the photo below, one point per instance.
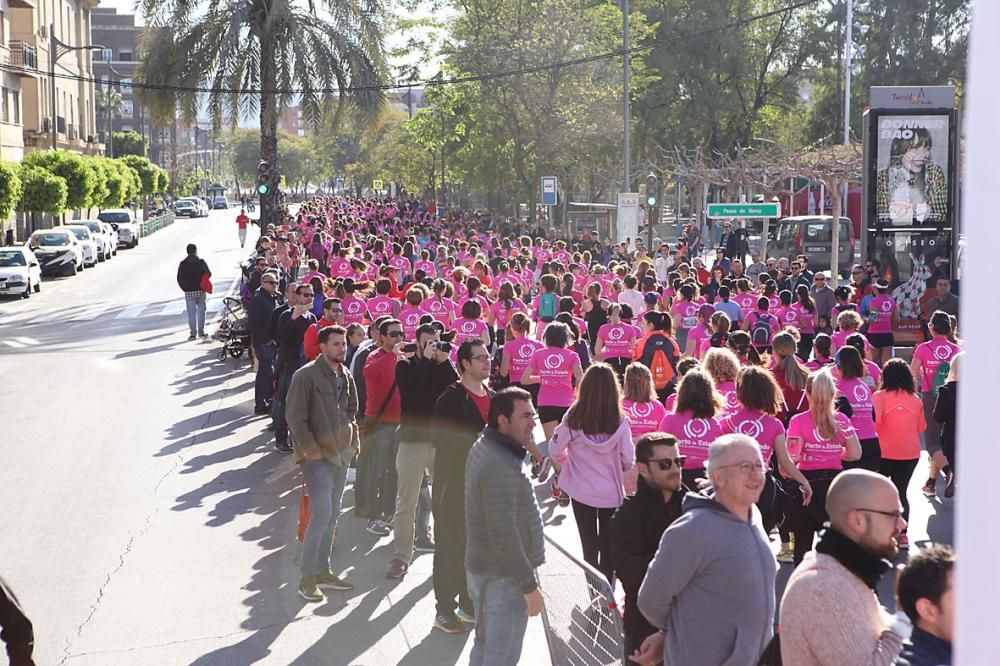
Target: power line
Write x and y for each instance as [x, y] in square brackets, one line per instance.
[472, 78]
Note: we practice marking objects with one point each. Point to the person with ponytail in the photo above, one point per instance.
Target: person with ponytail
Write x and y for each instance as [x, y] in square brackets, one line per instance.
[657, 340]
[643, 410]
[850, 379]
[614, 340]
[501, 311]
[822, 350]
[790, 374]
[739, 344]
[694, 422]
[819, 441]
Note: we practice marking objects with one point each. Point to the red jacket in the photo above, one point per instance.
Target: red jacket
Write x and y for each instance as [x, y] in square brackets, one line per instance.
[310, 341]
[380, 375]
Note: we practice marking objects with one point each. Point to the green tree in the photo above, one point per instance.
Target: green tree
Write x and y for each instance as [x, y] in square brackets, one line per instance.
[146, 171]
[187, 182]
[72, 168]
[267, 48]
[44, 192]
[129, 143]
[101, 190]
[10, 189]
[162, 180]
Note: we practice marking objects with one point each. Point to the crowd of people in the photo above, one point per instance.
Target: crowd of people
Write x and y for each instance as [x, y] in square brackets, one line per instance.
[690, 413]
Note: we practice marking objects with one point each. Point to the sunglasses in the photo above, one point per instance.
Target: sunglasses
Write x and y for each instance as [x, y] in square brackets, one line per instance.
[665, 464]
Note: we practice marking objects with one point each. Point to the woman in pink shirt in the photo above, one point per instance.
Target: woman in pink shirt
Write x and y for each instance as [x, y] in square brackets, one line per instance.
[700, 333]
[786, 314]
[849, 323]
[694, 422]
[723, 365]
[354, 307]
[643, 410]
[808, 319]
[821, 352]
[502, 310]
[439, 304]
[873, 373]
[899, 420]
[882, 315]
[382, 304]
[615, 340]
[593, 448]
[555, 368]
[518, 348]
[411, 313]
[470, 325]
[819, 440]
[851, 385]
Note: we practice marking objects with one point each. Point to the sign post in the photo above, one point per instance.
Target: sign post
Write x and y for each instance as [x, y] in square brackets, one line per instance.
[628, 216]
[550, 193]
[377, 185]
[743, 210]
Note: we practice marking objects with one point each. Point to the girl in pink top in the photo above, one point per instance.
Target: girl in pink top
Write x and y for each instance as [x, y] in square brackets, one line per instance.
[470, 325]
[593, 448]
[473, 285]
[555, 368]
[723, 365]
[760, 401]
[787, 315]
[818, 441]
[685, 314]
[502, 310]
[849, 323]
[517, 351]
[700, 333]
[382, 304]
[899, 420]
[851, 386]
[694, 422]
[615, 340]
[411, 312]
[439, 305]
[643, 410]
[354, 307]
[882, 315]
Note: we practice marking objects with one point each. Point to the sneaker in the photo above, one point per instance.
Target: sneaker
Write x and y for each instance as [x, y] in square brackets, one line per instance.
[949, 485]
[463, 616]
[930, 488]
[423, 545]
[903, 541]
[204, 336]
[329, 581]
[378, 528]
[544, 469]
[449, 624]
[556, 493]
[308, 589]
[397, 569]
[192, 337]
[282, 447]
[564, 501]
[786, 555]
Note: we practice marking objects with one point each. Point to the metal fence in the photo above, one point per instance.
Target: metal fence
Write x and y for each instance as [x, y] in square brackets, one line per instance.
[583, 625]
[154, 224]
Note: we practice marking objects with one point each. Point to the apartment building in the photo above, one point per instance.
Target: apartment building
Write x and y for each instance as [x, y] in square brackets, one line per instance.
[18, 62]
[115, 67]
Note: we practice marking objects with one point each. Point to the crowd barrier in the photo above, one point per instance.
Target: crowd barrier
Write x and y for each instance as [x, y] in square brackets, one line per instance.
[154, 224]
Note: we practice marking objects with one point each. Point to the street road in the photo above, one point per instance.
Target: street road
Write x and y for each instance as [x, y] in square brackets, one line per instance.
[146, 518]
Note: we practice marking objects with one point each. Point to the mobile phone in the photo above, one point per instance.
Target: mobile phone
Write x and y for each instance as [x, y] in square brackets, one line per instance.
[410, 348]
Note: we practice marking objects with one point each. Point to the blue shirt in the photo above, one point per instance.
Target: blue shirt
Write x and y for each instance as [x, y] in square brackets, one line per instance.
[731, 309]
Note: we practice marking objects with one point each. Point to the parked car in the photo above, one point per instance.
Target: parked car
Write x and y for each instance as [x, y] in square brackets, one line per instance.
[20, 272]
[220, 203]
[88, 242]
[810, 235]
[187, 208]
[207, 201]
[107, 243]
[57, 250]
[124, 223]
[112, 234]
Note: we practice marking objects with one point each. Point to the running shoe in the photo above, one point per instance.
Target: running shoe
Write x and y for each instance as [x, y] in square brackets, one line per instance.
[544, 469]
[554, 484]
[282, 447]
[309, 591]
[466, 617]
[930, 488]
[786, 555]
[423, 544]
[329, 581]
[448, 623]
[397, 569]
[195, 337]
[378, 528]
[949, 488]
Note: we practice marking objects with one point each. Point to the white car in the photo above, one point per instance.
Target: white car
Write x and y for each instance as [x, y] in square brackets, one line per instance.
[57, 250]
[103, 235]
[20, 272]
[90, 243]
[124, 223]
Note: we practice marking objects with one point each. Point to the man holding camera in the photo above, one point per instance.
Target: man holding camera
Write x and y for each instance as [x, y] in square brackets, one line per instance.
[290, 332]
[422, 376]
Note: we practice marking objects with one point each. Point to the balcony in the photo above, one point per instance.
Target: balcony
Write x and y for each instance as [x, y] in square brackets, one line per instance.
[21, 4]
[22, 60]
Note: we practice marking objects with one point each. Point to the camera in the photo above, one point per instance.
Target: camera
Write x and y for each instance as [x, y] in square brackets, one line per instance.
[442, 346]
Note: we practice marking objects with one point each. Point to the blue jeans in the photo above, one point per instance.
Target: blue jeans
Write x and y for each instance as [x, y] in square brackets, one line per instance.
[263, 385]
[325, 483]
[196, 313]
[380, 472]
[278, 406]
[501, 620]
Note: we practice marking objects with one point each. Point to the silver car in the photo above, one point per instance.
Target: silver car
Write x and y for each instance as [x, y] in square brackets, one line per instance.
[89, 243]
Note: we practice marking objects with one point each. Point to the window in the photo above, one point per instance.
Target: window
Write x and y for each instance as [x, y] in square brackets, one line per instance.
[5, 110]
[15, 105]
[125, 56]
[127, 107]
[126, 85]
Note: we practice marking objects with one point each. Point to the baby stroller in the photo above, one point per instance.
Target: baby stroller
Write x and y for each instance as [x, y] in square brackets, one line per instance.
[234, 330]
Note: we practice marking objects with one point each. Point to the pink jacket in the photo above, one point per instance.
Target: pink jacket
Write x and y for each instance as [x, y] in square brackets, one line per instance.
[592, 471]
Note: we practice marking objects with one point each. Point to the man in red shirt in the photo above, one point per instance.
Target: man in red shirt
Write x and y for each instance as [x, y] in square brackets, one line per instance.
[241, 222]
[382, 426]
[333, 315]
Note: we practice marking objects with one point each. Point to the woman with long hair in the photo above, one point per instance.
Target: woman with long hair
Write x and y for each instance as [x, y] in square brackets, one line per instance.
[790, 374]
[593, 448]
[440, 304]
[615, 339]
[757, 417]
[808, 319]
[643, 410]
[517, 350]
[899, 420]
[694, 422]
[822, 352]
[595, 312]
[411, 312]
[819, 440]
[684, 313]
[656, 340]
[851, 385]
[723, 365]
[555, 368]
[501, 311]
[701, 332]
[882, 315]
[739, 344]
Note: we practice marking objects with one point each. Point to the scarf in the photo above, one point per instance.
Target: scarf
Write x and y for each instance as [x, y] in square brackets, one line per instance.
[855, 559]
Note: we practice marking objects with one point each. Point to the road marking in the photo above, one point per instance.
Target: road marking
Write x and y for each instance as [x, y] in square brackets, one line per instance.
[87, 315]
[174, 307]
[132, 311]
[21, 343]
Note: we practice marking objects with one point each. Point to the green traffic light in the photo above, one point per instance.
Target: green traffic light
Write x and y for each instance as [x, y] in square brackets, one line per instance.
[651, 201]
[263, 189]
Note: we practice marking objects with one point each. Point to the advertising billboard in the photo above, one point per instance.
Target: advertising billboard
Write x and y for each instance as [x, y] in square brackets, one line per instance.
[912, 167]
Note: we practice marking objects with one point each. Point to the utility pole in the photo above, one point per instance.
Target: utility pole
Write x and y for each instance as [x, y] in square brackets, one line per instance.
[626, 102]
[848, 47]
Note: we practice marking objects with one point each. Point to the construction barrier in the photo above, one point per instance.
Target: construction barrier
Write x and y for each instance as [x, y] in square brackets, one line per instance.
[154, 224]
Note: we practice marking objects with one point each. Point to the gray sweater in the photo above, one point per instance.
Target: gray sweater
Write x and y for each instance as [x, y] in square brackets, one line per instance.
[503, 524]
[711, 586]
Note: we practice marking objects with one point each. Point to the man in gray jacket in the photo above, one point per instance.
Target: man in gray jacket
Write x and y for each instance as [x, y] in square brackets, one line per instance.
[710, 585]
[503, 531]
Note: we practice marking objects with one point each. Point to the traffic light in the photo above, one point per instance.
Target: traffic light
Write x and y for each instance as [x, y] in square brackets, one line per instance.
[263, 178]
[651, 190]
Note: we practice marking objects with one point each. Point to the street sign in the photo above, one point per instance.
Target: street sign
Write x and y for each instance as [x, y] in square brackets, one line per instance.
[549, 197]
[628, 216]
[377, 186]
[721, 210]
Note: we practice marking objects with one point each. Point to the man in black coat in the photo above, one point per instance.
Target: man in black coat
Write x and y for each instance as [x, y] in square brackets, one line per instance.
[190, 273]
[639, 523]
[263, 303]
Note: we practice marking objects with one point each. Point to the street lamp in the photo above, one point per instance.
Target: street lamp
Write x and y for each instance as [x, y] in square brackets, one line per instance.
[58, 49]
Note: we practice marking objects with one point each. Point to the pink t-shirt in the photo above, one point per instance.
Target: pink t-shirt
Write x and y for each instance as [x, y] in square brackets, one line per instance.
[381, 305]
[354, 309]
[859, 395]
[618, 340]
[728, 392]
[874, 373]
[817, 452]
[761, 427]
[883, 307]
[686, 313]
[787, 316]
[932, 354]
[747, 302]
[555, 368]
[410, 316]
[484, 305]
[340, 267]
[699, 334]
[693, 436]
[839, 339]
[519, 351]
[427, 267]
[401, 264]
[807, 322]
[467, 329]
[643, 417]
[501, 313]
[442, 309]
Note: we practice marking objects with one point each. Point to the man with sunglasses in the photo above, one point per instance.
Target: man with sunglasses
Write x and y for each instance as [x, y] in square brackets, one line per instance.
[822, 295]
[639, 523]
[714, 569]
[290, 333]
[829, 612]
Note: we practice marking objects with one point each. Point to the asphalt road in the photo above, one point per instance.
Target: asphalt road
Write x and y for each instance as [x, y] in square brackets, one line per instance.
[146, 518]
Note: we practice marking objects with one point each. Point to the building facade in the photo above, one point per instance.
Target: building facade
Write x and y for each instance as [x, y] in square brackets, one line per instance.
[115, 68]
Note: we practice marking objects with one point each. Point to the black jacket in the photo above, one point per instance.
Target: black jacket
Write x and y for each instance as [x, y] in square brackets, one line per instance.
[259, 314]
[944, 413]
[289, 336]
[636, 529]
[272, 320]
[457, 425]
[15, 629]
[189, 273]
[923, 649]
[421, 381]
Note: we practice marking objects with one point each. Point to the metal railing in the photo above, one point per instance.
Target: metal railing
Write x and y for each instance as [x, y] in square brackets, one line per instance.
[23, 55]
[583, 626]
[154, 224]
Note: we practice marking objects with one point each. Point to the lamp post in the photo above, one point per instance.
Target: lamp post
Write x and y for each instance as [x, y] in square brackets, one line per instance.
[58, 49]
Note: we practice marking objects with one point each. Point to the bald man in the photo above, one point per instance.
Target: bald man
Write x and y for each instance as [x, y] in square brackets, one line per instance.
[830, 614]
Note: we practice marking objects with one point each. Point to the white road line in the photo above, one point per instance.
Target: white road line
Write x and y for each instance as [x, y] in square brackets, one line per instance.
[132, 311]
[87, 315]
[15, 344]
[174, 307]
[27, 341]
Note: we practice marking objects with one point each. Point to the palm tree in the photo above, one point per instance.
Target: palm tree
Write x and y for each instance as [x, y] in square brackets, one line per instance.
[109, 104]
[259, 56]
